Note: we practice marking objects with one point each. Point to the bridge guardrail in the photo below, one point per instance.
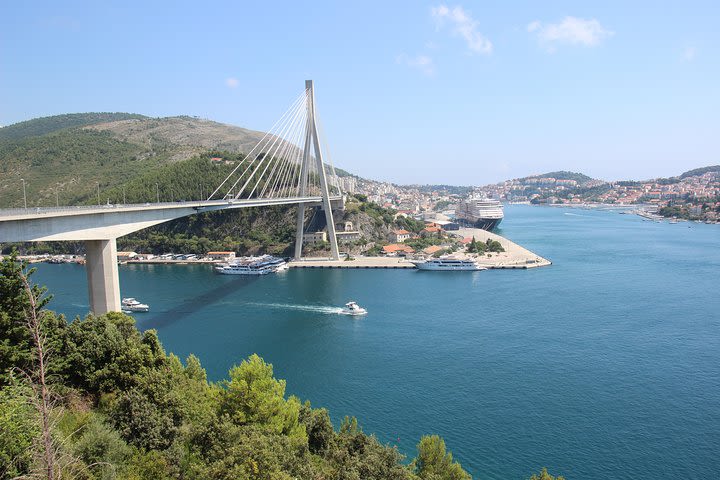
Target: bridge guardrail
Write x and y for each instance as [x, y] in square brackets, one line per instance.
[40, 211]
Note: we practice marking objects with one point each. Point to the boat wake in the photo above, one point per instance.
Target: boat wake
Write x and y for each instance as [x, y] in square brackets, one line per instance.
[302, 308]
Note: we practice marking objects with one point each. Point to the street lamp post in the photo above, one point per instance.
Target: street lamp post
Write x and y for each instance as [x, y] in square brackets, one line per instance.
[57, 198]
[24, 194]
[124, 195]
[157, 191]
[98, 185]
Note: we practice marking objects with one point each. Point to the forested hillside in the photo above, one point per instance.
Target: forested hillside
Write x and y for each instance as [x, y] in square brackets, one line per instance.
[67, 158]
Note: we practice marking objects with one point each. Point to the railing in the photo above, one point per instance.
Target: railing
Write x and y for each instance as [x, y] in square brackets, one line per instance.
[40, 211]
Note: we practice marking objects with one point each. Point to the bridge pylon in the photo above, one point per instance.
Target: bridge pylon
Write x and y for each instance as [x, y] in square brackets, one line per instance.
[312, 142]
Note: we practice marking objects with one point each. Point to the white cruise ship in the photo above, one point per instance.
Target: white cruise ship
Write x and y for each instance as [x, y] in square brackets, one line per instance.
[252, 266]
[480, 212]
[448, 264]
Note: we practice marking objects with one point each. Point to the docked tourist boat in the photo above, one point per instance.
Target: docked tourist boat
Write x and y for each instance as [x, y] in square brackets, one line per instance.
[131, 305]
[448, 264]
[352, 308]
[252, 266]
[480, 212]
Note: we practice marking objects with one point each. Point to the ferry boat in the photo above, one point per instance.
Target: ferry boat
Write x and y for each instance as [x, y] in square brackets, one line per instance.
[352, 308]
[448, 264]
[480, 212]
[252, 266]
[131, 305]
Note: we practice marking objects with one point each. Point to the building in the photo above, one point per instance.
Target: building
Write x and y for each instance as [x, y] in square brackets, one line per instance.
[432, 249]
[314, 238]
[125, 256]
[347, 237]
[399, 236]
[397, 249]
[346, 234]
[222, 256]
[431, 231]
[446, 225]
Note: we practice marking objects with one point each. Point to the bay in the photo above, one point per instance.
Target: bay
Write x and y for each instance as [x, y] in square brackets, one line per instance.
[604, 365]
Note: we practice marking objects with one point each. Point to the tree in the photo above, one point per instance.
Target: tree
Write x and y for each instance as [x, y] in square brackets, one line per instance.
[253, 396]
[318, 426]
[434, 463]
[16, 343]
[107, 353]
[356, 455]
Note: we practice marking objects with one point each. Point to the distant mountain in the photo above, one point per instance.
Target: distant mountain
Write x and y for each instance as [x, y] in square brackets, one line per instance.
[700, 171]
[451, 189]
[63, 158]
[563, 175]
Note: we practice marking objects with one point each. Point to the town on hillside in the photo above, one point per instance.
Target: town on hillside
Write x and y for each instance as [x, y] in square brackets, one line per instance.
[694, 195]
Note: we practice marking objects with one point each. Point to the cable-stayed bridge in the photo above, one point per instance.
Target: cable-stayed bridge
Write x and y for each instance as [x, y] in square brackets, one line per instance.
[289, 166]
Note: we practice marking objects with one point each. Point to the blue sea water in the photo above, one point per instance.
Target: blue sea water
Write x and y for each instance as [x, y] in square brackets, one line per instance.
[604, 365]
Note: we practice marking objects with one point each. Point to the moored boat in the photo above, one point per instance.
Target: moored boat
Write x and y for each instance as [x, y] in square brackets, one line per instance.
[448, 264]
[252, 266]
[480, 212]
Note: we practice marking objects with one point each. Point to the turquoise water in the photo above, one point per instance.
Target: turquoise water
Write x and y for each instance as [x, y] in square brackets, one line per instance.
[604, 365]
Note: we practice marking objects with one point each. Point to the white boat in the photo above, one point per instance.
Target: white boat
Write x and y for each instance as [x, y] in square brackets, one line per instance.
[352, 308]
[252, 266]
[131, 305]
[448, 264]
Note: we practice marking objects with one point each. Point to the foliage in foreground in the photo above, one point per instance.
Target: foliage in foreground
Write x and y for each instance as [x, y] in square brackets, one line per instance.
[123, 408]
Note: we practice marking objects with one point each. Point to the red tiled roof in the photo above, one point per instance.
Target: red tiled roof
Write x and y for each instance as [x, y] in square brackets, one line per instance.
[395, 247]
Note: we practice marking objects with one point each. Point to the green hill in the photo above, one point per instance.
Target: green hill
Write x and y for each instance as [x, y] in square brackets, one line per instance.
[563, 175]
[45, 125]
[700, 171]
[63, 159]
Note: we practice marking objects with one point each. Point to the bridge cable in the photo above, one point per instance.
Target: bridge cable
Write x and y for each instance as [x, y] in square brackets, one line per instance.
[299, 99]
[242, 176]
[271, 154]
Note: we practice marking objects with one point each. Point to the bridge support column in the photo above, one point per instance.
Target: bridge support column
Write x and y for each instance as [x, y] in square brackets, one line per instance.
[102, 276]
[299, 231]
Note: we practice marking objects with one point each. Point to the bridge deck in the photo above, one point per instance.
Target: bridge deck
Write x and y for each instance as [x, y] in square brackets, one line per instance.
[199, 205]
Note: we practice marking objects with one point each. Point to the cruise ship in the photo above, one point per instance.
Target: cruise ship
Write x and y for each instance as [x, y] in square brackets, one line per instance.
[480, 212]
[448, 264]
[252, 266]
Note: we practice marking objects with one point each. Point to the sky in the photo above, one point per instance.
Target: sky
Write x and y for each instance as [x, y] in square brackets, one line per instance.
[464, 93]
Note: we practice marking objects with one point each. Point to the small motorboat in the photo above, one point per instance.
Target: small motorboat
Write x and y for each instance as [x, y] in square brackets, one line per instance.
[352, 308]
[132, 305]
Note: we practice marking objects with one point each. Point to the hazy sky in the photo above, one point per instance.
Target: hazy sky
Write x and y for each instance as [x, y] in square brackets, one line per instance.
[462, 93]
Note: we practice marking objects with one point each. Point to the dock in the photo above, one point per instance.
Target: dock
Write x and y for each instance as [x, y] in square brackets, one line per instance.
[355, 262]
[514, 256]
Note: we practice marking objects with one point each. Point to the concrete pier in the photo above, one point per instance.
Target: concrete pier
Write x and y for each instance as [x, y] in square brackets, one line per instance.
[357, 262]
[102, 276]
[514, 256]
